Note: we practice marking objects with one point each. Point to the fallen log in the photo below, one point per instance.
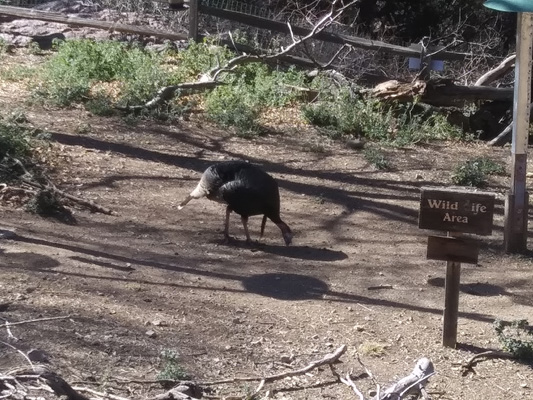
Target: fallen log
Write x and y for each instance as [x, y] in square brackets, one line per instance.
[442, 93]
[17, 12]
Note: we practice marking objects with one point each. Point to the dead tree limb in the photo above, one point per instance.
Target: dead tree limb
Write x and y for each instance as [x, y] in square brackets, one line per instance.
[413, 382]
[328, 359]
[29, 179]
[31, 321]
[439, 92]
[348, 381]
[496, 73]
[468, 366]
[504, 135]
[212, 78]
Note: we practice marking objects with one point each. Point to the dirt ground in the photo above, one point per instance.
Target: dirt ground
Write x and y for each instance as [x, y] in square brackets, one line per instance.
[152, 278]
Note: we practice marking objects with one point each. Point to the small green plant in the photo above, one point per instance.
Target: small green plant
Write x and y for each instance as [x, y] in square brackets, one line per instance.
[4, 46]
[342, 114]
[515, 337]
[34, 48]
[232, 108]
[45, 203]
[14, 140]
[17, 73]
[101, 105]
[377, 158]
[373, 349]
[171, 370]
[198, 58]
[83, 128]
[79, 65]
[475, 172]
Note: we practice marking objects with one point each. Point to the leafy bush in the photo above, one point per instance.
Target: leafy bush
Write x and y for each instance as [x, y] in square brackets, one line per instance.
[229, 106]
[14, 140]
[198, 58]
[3, 46]
[17, 73]
[376, 158]
[251, 89]
[474, 172]
[515, 337]
[346, 115]
[101, 105]
[171, 369]
[79, 64]
[45, 203]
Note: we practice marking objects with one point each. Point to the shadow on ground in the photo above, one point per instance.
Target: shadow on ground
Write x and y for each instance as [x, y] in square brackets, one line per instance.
[286, 286]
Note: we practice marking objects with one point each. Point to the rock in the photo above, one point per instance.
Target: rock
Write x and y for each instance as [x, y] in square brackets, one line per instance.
[38, 356]
[151, 334]
[287, 359]
[5, 234]
[355, 144]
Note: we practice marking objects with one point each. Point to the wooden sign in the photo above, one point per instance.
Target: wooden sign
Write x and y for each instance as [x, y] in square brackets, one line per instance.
[453, 249]
[456, 210]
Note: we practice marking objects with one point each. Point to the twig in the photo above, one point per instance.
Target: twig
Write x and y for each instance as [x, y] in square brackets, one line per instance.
[9, 333]
[100, 394]
[87, 203]
[31, 321]
[348, 381]
[468, 366]
[328, 359]
[21, 352]
[418, 382]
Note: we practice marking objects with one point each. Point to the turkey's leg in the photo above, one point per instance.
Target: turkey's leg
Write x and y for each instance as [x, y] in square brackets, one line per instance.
[245, 225]
[226, 225]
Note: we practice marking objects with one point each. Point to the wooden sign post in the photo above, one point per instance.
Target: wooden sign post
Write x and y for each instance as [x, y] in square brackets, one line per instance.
[454, 210]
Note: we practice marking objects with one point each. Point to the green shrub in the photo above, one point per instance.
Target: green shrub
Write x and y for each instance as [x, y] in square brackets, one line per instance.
[232, 107]
[474, 172]
[515, 337]
[171, 369]
[4, 47]
[376, 158]
[14, 140]
[17, 73]
[199, 58]
[45, 203]
[345, 115]
[101, 105]
[79, 64]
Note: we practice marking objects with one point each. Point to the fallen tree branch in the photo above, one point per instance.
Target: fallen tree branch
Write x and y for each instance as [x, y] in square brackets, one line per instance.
[328, 359]
[29, 180]
[497, 72]
[20, 352]
[31, 321]
[348, 381]
[86, 203]
[422, 371]
[211, 79]
[469, 365]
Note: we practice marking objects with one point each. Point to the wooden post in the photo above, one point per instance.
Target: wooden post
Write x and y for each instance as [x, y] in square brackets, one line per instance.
[516, 215]
[194, 5]
[451, 301]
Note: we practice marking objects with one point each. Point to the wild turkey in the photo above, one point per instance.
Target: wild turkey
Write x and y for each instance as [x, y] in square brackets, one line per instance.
[246, 189]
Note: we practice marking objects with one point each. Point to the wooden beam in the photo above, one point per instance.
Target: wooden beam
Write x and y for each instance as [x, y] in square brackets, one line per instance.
[265, 23]
[75, 21]
[193, 20]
